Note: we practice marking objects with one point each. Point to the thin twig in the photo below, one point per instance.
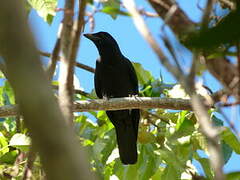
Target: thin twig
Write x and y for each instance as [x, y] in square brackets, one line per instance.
[142, 28]
[228, 121]
[80, 65]
[207, 14]
[53, 59]
[162, 118]
[77, 91]
[211, 134]
[238, 67]
[208, 130]
[228, 4]
[29, 166]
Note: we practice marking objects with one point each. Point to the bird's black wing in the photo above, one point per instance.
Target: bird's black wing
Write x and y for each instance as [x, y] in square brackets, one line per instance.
[135, 113]
[132, 75]
[97, 80]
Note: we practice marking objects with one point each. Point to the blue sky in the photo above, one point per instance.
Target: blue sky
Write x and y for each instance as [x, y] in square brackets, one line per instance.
[132, 45]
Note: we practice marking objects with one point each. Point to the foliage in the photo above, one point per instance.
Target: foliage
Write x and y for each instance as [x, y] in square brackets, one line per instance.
[169, 142]
[166, 150]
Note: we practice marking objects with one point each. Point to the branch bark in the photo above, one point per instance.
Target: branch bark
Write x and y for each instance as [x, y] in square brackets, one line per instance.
[37, 103]
[210, 132]
[115, 104]
[67, 65]
[79, 65]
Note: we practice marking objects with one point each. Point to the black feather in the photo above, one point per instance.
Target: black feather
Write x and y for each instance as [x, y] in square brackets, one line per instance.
[116, 77]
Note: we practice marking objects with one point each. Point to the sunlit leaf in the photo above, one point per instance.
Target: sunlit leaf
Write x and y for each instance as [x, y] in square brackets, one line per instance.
[45, 8]
[8, 94]
[114, 11]
[3, 144]
[230, 139]
[158, 174]
[111, 7]
[20, 141]
[170, 172]
[178, 92]
[148, 162]
[233, 176]
[145, 137]
[143, 75]
[205, 165]
[9, 157]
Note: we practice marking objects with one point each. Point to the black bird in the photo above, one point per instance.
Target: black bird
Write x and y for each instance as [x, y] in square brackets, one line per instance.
[116, 77]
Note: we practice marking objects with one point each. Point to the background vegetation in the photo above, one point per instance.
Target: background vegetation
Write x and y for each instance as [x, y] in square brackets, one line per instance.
[181, 124]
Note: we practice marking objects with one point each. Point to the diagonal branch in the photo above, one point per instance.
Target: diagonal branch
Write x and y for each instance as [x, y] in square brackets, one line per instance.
[79, 65]
[210, 132]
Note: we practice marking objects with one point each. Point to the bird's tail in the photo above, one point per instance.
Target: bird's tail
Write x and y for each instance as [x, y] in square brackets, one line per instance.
[127, 145]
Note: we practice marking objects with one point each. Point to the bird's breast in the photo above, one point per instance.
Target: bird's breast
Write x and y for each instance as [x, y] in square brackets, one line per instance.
[115, 81]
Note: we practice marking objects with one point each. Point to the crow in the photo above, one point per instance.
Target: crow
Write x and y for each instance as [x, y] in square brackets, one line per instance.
[115, 77]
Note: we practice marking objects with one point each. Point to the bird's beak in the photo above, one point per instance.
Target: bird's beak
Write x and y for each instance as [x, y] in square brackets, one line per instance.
[92, 37]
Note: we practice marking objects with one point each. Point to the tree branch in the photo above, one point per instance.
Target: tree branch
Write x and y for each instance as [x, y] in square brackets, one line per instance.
[210, 132]
[53, 59]
[79, 65]
[36, 101]
[67, 64]
[115, 104]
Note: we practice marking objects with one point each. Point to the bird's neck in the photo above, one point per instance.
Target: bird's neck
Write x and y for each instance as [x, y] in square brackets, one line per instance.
[111, 56]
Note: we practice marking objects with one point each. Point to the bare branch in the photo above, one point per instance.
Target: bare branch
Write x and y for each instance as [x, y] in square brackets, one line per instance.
[27, 175]
[207, 14]
[132, 103]
[36, 101]
[66, 65]
[179, 23]
[53, 61]
[77, 91]
[80, 65]
[228, 4]
[211, 133]
[200, 110]
[143, 29]
[115, 104]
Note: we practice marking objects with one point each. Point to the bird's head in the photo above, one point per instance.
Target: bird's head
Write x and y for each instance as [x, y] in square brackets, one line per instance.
[105, 43]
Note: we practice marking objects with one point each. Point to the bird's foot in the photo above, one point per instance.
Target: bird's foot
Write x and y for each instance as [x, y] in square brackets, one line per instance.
[105, 98]
[133, 95]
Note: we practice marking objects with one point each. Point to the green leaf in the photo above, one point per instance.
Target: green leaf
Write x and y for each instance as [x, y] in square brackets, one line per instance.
[199, 141]
[227, 151]
[85, 128]
[8, 94]
[3, 144]
[148, 161]
[130, 172]
[216, 121]
[45, 8]
[9, 157]
[2, 75]
[184, 126]
[145, 137]
[170, 172]
[111, 7]
[233, 176]
[20, 141]
[113, 12]
[110, 142]
[158, 174]
[206, 166]
[143, 75]
[230, 139]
